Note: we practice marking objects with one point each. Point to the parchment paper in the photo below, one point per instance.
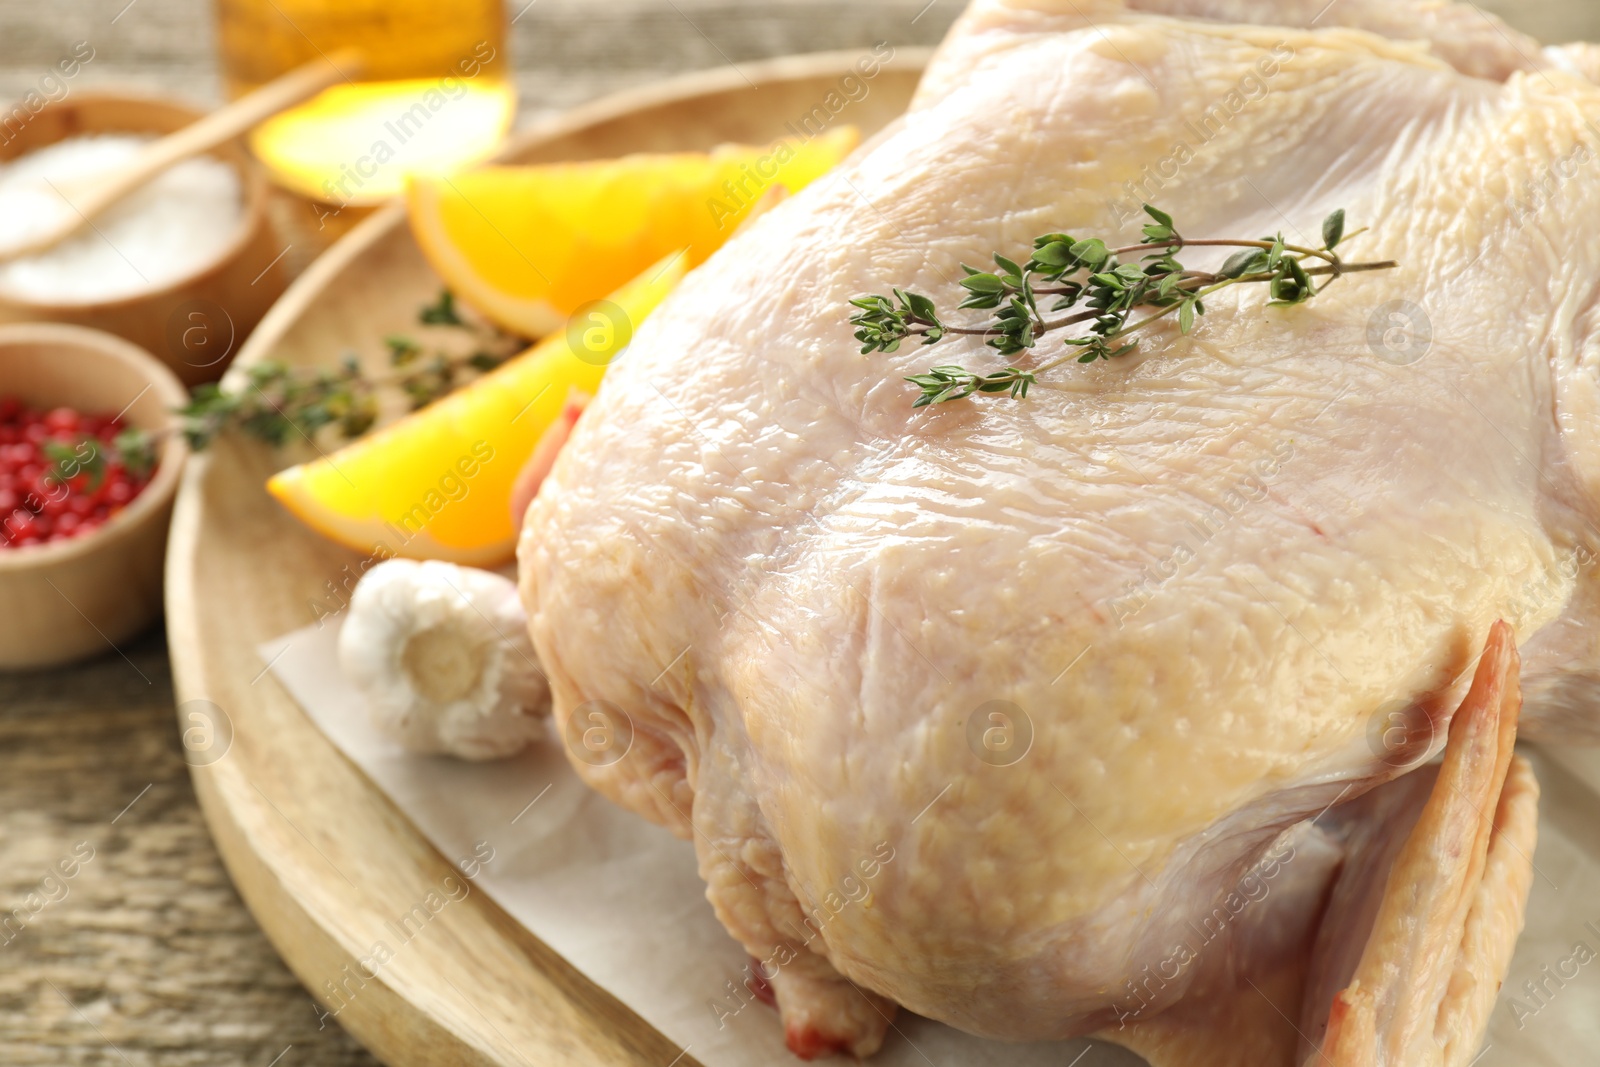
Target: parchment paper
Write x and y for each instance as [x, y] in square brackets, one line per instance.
[621, 900]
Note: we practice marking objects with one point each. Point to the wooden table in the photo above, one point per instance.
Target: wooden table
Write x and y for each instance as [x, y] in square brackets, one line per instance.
[146, 955]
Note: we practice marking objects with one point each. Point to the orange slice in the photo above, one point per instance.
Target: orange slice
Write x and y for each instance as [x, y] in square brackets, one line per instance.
[406, 127]
[437, 484]
[527, 245]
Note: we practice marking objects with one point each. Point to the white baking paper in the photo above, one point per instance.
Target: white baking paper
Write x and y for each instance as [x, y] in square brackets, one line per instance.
[622, 901]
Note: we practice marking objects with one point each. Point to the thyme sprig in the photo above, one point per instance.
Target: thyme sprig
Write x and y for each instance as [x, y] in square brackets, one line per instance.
[278, 403]
[1089, 274]
[135, 449]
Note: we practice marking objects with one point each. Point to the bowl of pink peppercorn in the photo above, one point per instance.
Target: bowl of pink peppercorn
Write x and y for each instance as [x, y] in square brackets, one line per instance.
[89, 466]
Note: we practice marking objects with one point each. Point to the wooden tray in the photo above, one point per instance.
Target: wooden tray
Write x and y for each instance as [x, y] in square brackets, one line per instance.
[320, 856]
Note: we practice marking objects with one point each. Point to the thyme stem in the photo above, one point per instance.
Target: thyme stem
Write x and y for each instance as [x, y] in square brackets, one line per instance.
[1090, 273]
[278, 403]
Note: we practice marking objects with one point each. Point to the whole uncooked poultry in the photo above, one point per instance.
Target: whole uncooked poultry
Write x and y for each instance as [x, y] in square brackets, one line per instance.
[1075, 714]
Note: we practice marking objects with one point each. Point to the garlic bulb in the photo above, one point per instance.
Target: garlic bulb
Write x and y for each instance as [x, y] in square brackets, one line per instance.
[443, 656]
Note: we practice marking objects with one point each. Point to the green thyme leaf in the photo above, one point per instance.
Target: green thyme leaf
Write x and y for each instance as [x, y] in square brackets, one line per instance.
[1087, 274]
[136, 449]
[442, 312]
[984, 283]
[1247, 261]
[402, 350]
[277, 403]
[1333, 230]
[1160, 216]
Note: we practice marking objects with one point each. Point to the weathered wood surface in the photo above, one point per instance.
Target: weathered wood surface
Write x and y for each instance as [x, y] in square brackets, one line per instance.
[147, 956]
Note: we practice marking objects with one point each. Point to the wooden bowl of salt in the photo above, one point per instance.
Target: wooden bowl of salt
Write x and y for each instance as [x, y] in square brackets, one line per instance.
[184, 267]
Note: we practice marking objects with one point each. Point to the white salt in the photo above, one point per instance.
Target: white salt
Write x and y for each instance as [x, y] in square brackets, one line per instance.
[176, 224]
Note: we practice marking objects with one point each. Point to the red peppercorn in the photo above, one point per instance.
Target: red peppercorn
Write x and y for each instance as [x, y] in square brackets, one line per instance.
[20, 524]
[43, 498]
[62, 419]
[53, 499]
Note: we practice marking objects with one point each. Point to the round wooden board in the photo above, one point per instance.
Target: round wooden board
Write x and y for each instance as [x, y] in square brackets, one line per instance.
[318, 853]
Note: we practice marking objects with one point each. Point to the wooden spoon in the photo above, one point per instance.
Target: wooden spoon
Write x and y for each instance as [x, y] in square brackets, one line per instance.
[93, 196]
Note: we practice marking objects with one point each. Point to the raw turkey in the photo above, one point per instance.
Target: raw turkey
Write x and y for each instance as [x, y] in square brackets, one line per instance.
[1175, 702]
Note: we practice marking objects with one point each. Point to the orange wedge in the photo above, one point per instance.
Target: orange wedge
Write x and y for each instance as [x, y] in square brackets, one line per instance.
[437, 484]
[527, 245]
[309, 148]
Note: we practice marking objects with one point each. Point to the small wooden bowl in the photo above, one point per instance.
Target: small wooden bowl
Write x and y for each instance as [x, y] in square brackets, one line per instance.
[71, 599]
[193, 324]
